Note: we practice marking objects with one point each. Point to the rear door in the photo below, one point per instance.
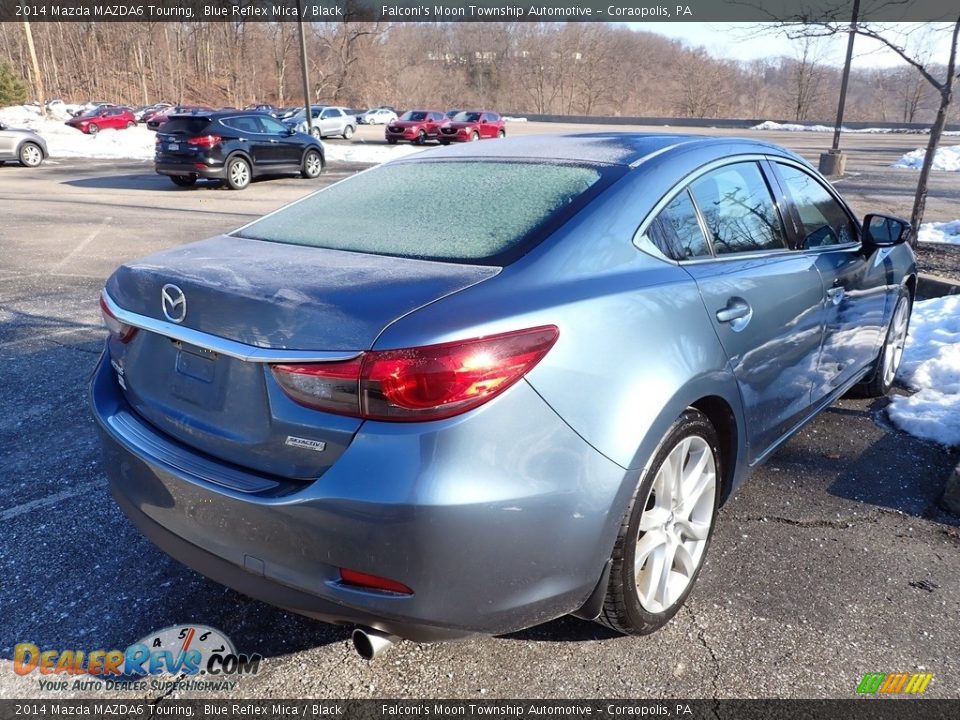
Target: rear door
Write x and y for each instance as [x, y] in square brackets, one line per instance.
[856, 289]
[285, 146]
[765, 302]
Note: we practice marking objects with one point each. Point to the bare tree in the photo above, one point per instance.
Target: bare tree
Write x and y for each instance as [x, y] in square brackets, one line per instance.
[940, 79]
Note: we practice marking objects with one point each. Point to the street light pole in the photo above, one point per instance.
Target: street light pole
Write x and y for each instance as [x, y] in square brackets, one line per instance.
[834, 161]
[303, 68]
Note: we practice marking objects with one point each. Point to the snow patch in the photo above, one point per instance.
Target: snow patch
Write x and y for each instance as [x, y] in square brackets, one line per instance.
[794, 127]
[507, 118]
[931, 366]
[947, 159]
[944, 233]
[138, 143]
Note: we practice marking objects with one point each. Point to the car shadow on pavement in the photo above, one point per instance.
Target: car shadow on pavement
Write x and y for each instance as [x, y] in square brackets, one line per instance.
[151, 183]
[564, 629]
[895, 471]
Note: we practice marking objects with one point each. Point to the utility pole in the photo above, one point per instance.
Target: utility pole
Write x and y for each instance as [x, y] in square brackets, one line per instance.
[37, 77]
[834, 161]
[308, 113]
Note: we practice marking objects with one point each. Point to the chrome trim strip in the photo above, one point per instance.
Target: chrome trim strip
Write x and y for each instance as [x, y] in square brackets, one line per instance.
[214, 343]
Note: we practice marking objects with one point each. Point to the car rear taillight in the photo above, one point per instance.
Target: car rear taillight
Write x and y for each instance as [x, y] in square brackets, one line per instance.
[207, 141]
[372, 582]
[423, 383]
[120, 330]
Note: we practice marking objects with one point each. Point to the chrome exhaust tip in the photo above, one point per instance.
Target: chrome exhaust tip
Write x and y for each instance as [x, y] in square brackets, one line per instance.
[369, 643]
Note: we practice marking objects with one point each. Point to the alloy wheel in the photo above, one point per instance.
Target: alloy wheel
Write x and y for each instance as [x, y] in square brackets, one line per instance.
[896, 341]
[30, 155]
[675, 524]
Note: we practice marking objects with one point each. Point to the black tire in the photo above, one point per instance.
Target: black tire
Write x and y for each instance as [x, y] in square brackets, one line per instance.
[184, 180]
[879, 381]
[348, 132]
[444, 142]
[392, 141]
[421, 138]
[501, 134]
[93, 128]
[312, 164]
[315, 131]
[238, 173]
[131, 124]
[474, 136]
[622, 609]
[30, 155]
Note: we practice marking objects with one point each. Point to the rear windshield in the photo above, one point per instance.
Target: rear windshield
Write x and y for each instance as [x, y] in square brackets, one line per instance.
[186, 125]
[457, 211]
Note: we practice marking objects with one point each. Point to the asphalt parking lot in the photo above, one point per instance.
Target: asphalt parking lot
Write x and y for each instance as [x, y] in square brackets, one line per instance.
[832, 561]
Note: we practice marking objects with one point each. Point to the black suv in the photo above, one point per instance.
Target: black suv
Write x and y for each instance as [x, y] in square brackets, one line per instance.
[235, 147]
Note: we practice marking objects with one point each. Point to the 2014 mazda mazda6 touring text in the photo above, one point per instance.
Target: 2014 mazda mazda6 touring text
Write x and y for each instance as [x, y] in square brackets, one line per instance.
[525, 398]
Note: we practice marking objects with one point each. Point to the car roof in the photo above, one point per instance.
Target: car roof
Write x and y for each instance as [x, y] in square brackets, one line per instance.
[614, 148]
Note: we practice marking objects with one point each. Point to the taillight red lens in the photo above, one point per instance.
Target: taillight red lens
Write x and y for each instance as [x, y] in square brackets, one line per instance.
[424, 383]
[123, 332]
[207, 141]
[373, 582]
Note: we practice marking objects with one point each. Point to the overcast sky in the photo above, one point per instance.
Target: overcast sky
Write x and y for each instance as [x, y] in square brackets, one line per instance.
[741, 41]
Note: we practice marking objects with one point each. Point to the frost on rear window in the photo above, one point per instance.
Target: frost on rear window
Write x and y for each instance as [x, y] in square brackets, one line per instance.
[451, 210]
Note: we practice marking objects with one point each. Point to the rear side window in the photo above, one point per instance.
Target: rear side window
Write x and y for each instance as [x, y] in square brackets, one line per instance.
[676, 230]
[483, 212]
[243, 124]
[738, 209]
[822, 220]
[186, 125]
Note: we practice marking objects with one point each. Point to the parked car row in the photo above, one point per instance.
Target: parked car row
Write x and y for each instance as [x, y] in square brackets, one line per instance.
[418, 126]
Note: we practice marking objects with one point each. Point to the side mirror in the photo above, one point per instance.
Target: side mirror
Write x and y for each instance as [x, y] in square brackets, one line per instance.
[885, 230]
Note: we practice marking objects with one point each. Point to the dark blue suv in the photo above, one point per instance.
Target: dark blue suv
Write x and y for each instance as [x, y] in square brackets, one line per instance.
[235, 147]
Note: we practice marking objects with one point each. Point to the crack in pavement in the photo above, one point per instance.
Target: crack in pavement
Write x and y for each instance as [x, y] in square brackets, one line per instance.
[842, 524]
[702, 639]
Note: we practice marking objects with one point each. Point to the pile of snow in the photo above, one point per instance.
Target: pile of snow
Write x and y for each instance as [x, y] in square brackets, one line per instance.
[945, 233]
[135, 143]
[791, 127]
[931, 366]
[794, 127]
[507, 118]
[947, 159]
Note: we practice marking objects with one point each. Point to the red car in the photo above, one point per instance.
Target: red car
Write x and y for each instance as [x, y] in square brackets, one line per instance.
[159, 118]
[472, 125]
[416, 126]
[103, 118]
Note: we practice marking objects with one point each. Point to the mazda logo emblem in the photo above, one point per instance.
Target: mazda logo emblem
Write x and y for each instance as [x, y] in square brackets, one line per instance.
[174, 303]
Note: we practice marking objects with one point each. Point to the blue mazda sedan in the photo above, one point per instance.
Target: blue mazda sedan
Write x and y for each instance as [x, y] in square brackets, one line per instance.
[524, 398]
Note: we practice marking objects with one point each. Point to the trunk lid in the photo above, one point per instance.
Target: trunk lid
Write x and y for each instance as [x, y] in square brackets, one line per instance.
[267, 295]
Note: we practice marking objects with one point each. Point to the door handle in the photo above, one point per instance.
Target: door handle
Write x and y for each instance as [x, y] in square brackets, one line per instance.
[736, 309]
[835, 294]
[274, 141]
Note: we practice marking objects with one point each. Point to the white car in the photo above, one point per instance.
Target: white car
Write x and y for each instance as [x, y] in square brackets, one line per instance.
[377, 116]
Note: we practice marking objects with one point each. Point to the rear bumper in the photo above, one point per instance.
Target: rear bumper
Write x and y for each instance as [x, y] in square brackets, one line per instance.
[210, 172]
[491, 539]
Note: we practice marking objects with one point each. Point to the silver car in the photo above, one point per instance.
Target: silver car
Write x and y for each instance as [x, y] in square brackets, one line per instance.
[525, 398]
[24, 146]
